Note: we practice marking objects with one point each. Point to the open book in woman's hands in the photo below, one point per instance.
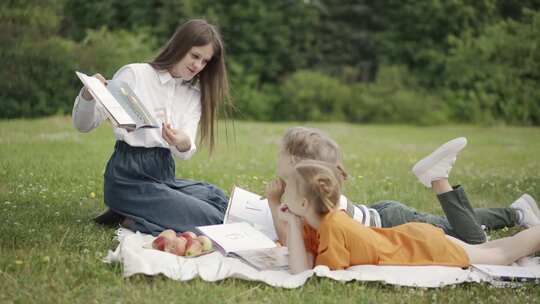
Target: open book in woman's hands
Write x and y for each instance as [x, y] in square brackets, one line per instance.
[124, 109]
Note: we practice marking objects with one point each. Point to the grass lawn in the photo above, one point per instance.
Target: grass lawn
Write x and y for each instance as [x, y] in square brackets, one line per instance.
[51, 180]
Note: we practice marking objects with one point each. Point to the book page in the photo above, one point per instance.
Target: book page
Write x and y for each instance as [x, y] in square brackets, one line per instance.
[266, 259]
[245, 206]
[100, 93]
[237, 237]
[125, 96]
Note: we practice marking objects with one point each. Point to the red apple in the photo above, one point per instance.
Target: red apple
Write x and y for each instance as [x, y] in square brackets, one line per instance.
[188, 235]
[159, 243]
[168, 234]
[170, 245]
[180, 246]
[205, 241]
[193, 247]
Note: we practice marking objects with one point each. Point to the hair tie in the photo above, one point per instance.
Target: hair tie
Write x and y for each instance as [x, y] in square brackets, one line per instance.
[323, 185]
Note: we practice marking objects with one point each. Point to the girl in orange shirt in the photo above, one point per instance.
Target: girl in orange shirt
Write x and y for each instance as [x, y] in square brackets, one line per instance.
[320, 234]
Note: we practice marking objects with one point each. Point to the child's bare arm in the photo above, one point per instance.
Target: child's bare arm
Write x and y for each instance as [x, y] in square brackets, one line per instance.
[274, 191]
[299, 259]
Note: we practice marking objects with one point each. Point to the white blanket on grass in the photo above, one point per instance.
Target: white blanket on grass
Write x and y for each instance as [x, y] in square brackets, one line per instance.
[136, 259]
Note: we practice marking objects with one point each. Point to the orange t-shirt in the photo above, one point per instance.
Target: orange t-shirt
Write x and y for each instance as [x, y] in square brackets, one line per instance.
[342, 242]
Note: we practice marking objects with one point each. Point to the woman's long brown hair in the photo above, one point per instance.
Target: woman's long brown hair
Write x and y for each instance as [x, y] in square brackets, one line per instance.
[213, 81]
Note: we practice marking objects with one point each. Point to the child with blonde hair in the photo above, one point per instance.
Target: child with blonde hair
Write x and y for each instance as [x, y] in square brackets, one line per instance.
[461, 221]
[319, 233]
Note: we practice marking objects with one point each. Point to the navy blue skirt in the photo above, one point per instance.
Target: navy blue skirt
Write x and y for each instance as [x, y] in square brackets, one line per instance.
[140, 183]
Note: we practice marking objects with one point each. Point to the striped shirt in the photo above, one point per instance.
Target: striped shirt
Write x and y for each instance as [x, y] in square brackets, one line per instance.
[360, 213]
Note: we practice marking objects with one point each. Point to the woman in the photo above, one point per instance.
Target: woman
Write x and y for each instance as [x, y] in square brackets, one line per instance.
[183, 86]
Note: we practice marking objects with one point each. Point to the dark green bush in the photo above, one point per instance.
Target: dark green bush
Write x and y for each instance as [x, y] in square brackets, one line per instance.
[252, 101]
[495, 77]
[105, 51]
[394, 98]
[310, 95]
[37, 66]
[473, 61]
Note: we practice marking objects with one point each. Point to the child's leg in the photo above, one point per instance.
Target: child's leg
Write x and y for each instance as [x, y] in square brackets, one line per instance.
[503, 251]
[441, 186]
[437, 165]
[432, 171]
[459, 212]
[522, 212]
[394, 213]
[497, 218]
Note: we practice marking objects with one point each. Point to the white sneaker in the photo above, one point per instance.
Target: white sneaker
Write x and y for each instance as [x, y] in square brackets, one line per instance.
[529, 214]
[438, 164]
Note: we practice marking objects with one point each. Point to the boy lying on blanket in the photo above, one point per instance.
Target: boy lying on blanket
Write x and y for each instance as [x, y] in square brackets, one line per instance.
[461, 221]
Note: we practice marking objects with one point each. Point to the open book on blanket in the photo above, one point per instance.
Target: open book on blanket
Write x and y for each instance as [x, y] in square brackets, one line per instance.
[242, 241]
[123, 107]
[245, 206]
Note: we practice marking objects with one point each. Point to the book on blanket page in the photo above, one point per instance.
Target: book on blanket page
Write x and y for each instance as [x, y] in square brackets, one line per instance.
[242, 241]
[245, 206]
[123, 107]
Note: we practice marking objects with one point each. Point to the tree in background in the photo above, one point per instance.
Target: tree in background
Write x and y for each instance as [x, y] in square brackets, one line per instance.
[464, 60]
[494, 76]
[345, 39]
[34, 60]
[38, 63]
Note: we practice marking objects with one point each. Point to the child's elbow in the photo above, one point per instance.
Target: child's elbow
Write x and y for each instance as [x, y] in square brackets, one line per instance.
[299, 268]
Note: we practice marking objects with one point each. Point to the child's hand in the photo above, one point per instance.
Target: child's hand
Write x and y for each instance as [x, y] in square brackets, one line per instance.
[274, 191]
[286, 215]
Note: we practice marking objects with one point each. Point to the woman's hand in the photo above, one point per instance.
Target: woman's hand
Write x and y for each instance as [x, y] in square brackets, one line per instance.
[274, 191]
[176, 138]
[85, 94]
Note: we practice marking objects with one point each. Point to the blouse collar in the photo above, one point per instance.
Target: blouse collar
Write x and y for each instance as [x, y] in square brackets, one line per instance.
[165, 76]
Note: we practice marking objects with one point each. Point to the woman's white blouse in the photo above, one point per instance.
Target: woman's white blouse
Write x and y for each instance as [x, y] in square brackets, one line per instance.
[170, 99]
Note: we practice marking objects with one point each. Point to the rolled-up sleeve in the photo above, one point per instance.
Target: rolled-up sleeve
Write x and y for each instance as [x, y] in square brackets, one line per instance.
[87, 114]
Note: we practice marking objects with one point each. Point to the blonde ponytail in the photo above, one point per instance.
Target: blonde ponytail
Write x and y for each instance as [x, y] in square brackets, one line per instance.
[321, 184]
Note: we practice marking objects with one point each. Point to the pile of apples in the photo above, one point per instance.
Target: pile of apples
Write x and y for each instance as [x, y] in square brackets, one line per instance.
[182, 244]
